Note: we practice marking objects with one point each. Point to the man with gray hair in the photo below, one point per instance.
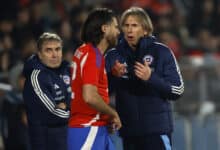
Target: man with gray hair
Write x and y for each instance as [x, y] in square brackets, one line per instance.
[47, 94]
[145, 77]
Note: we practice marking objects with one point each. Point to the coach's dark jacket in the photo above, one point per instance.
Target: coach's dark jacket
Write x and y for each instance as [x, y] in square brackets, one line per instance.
[144, 106]
[44, 88]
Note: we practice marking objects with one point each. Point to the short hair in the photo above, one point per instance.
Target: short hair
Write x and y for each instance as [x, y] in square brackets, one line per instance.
[47, 36]
[142, 16]
[91, 30]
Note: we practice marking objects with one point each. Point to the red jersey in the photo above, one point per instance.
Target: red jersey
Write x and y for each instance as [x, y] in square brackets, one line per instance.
[88, 67]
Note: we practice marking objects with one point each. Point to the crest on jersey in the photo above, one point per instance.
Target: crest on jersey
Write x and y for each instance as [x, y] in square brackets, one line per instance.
[66, 79]
[56, 86]
[148, 58]
[78, 54]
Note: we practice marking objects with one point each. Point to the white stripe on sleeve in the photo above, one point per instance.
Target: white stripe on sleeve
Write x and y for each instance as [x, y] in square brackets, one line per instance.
[44, 98]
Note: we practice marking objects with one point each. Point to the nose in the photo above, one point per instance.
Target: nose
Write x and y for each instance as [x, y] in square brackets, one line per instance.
[54, 53]
[118, 32]
[129, 29]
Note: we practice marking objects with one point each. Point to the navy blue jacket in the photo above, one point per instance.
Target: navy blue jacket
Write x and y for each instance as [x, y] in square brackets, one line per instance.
[44, 89]
[144, 106]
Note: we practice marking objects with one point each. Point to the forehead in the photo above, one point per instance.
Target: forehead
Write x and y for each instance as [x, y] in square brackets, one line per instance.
[48, 43]
[132, 19]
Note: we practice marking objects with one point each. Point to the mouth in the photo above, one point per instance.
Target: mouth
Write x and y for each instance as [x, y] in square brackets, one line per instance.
[54, 61]
[130, 38]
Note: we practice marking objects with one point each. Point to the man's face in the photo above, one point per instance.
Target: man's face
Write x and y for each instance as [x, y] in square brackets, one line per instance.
[51, 54]
[112, 33]
[133, 30]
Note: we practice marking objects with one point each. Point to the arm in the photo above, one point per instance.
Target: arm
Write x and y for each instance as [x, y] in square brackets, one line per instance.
[115, 68]
[92, 98]
[41, 85]
[114, 63]
[170, 86]
[94, 66]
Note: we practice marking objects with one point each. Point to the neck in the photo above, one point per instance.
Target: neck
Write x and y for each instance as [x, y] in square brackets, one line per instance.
[133, 47]
[103, 45]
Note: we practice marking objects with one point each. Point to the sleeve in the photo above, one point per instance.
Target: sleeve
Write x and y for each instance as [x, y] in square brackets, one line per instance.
[171, 85]
[42, 88]
[68, 81]
[111, 56]
[90, 69]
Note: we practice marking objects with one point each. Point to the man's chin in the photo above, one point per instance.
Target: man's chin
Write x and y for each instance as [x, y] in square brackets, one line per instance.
[54, 66]
[111, 45]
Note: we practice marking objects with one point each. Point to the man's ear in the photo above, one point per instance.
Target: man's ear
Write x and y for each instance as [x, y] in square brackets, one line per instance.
[145, 33]
[39, 54]
[104, 28]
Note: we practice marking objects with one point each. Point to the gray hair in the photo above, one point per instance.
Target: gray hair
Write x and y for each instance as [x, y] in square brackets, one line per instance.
[47, 36]
[142, 16]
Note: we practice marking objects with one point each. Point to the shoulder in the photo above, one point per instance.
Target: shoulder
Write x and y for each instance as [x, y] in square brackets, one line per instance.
[31, 64]
[39, 78]
[65, 64]
[112, 51]
[40, 74]
[113, 54]
[83, 51]
[162, 49]
[165, 53]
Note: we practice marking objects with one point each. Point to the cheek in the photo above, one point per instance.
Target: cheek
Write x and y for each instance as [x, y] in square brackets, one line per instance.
[60, 54]
[139, 34]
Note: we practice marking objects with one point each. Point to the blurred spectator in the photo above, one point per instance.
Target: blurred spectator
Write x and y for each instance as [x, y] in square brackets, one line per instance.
[39, 22]
[180, 28]
[202, 16]
[22, 26]
[206, 41]
[141, 3]
[28, 47]
[66, 33]
[14, 119]
[171, 41]
[8, 9]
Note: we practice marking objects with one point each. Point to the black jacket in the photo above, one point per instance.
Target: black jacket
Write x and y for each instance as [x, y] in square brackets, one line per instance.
[144, 106]
[44, 89]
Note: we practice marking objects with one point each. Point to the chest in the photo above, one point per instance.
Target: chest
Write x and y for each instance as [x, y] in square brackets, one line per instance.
[60, 86]
[151, 56]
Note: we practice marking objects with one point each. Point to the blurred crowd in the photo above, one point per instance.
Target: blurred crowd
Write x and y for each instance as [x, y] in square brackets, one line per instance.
[189, 27]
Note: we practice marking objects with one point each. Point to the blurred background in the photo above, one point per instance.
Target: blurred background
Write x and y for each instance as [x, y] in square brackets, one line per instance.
[191, 28]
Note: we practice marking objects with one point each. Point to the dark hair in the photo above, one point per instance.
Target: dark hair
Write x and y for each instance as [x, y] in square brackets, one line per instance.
[47, 36]
[91, 31]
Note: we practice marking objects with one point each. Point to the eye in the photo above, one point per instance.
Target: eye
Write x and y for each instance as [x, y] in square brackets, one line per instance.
[58, 49]
[47, 50]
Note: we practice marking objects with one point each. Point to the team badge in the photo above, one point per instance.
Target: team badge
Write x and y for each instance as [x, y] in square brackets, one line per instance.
[66, 79]
[148, 58]
[56, 86]
[78, 54]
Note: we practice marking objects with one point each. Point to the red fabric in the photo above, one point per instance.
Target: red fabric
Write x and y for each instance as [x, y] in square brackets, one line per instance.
[88, 68]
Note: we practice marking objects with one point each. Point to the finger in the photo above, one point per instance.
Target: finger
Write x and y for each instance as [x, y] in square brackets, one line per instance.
[118, 126]
[138, 73]
[139, 68]
[146, 63]
[140, 65]
[117, 62]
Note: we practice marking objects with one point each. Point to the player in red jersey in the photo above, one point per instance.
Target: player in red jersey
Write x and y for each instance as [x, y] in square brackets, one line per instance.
[90, 112]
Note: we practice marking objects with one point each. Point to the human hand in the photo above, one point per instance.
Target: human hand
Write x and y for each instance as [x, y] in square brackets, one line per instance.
[115, 124]
[142, 71]
[61, 105]
[118, 69]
